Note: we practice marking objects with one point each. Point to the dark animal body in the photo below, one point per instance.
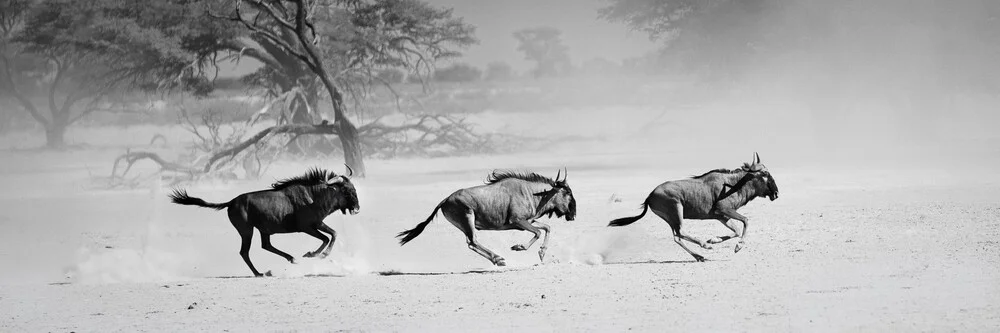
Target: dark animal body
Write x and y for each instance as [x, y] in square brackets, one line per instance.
[714, 195]
[508, 201]
[296, 204]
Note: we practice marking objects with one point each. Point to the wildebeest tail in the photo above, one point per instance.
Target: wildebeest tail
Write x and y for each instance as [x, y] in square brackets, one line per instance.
[181, 197]
[629, 220]
[409, 235]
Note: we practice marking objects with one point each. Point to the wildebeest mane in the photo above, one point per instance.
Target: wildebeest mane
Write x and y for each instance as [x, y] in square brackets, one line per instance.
[744, 168]
[498, 175]
[314, 176]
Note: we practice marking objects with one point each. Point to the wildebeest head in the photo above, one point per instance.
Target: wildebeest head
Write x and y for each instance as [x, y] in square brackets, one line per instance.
[348, 195]
[762, 178]
[322, 189]
[558, 200]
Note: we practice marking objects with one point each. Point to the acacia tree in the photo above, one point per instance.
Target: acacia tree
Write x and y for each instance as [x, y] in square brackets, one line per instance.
[544, 46]
[62, 59]
[339, 46]
[715, 36]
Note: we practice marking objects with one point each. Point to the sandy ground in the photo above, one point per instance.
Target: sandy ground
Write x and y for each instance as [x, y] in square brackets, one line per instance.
[851, 247]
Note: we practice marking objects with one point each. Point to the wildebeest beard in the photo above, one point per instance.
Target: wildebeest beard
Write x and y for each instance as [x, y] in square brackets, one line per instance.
[350, 202]
[346, 199]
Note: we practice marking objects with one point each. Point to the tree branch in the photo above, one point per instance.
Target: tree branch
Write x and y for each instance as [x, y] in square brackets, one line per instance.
[272, 13]
[243, 48]
[56, 111]
[25, 102]
[238, 17]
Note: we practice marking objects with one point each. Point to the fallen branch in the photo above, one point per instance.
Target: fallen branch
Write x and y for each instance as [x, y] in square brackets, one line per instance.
[159, 136]
[297, 129]
[132, 157]
[422, 135]
[431, 131]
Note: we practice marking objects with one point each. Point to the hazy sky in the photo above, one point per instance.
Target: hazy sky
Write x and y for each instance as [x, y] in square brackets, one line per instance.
[586, 36]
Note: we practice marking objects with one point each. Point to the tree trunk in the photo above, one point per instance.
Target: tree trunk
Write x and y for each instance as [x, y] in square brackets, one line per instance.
[300, 108]
[55, 135]
[351, 143]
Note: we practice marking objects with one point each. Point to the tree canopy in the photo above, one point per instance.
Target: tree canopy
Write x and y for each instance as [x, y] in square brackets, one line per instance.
[544, 46]
[77, 54]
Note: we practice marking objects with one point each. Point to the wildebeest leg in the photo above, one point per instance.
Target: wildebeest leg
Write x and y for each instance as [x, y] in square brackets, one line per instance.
[265, 243]
[741, 234]
[536, 228]
[545, 242]
[247, 235]
[321, 237]
[467, 223]
[486, 253]
[333, 238]
[674, 217]
[526, 226]
[729, 224]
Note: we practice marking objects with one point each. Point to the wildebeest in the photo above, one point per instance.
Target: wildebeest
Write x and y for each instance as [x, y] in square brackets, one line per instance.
[508, 201]
[297, 204]
[714, 195]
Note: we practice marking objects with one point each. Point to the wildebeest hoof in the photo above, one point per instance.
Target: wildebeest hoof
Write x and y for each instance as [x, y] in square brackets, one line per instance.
[309, 255]
[292, 260]
[541, 254]
[706, 246]
[499, 262]
[699, 258]
[268, 274]
[739, 246]
[518, 247]
[715, 240]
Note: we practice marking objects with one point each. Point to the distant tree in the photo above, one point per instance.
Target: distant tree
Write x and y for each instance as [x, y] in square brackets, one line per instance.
[499, 71]
[726, 37]
[62, 59]
[544, 46]
[714, 36]
[458, 73]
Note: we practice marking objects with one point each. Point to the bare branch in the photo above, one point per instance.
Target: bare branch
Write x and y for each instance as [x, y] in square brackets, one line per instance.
[271, 12]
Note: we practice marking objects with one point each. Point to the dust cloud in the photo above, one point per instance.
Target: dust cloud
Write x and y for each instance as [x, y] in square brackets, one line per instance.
[891, 83]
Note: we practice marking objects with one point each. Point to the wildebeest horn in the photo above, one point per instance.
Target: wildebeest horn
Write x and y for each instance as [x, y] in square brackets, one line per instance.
[565, 174]
[756, 158]
[350, 172]
[558, 173]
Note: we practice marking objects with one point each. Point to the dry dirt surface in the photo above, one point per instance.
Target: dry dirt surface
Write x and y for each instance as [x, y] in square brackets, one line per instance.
[894, 239]
[841, 250]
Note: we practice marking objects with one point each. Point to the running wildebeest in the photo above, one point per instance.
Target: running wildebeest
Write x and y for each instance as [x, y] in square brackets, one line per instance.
[508, 201]
[297, 204]
[714, 195]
